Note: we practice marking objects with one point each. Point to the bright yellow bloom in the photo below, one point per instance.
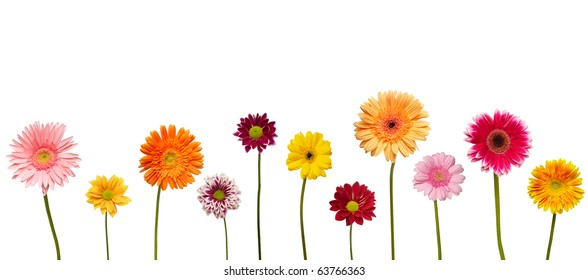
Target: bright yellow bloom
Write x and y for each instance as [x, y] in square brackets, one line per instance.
[107, 193]
[311, 153]
[555, 186]
[391, 124]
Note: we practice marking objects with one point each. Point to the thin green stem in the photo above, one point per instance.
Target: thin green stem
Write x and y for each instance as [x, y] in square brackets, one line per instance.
[106, 229]
[46, 199]
[351, 240]
[497, 206]
[258, 203]
[438, 231]
[156, 222]
[392, 211]
[302, 218]
[226, 240]
[551, 236]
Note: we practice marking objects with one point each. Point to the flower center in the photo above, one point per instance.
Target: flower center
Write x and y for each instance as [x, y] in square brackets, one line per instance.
[107, 195]
[255, 132]
[498, 141]
[391, 124]
[170, 158]
[309, 156]
[44, 157]
[556, 186]
[219, 195]
[352, 206]
[438, 176]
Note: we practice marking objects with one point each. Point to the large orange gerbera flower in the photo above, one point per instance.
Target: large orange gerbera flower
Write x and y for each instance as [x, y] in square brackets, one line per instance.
[171, 158]
[391, 123]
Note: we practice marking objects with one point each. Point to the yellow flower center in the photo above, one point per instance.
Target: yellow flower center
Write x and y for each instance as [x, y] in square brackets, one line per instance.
[352, 206]
[309, 156]
[556, 186]
[255, 132]
[219, 195]
[170, 158]
[439, 176]
[107, 195]
[43, 157]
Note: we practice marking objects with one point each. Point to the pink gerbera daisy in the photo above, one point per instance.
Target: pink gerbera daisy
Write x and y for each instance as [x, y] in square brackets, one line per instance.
[41, 156]
[498, 142]
[256, 132]
[438, 176]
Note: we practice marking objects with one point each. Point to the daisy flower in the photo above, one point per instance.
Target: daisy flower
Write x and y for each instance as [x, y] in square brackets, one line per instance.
[555, 187]
[217, 195]
[498, 142]
[391, 123]
[41, 156]
[106, 194]
[257, 132]
[353, 203]
[438, 177]
[172, 158]
[312, 155]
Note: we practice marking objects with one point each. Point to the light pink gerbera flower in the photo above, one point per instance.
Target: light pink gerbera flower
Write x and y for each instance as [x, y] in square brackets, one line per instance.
[40, 156]
[438, 176]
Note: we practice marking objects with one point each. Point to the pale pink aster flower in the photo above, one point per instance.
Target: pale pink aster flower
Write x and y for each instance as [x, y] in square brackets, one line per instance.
[438, 176]
[219, 194]
[40, 156]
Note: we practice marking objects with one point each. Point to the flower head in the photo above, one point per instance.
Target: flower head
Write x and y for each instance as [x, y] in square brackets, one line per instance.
[353, 203]
[555, 186]
[256, 132]
[438, 176]
[41, 156]
[171, 158]
[499, 141]
[219, 194]
[391, 124]
[310, 153]
[106, 194]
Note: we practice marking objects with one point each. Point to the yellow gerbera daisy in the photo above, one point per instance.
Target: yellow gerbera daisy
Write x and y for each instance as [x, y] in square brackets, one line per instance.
[391, 123]
[311, 153]
[107, 193]
[555, 186]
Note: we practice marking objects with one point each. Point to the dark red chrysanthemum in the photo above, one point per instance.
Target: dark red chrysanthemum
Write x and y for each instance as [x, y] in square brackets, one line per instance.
[498, 142]
[353, 203]
[256, 132]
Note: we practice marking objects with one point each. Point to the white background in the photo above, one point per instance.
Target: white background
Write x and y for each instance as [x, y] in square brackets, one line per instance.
[112, 71]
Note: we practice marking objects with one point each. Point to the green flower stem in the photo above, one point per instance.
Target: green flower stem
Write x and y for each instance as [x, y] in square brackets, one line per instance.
[497, 206]
[52, 226]
[438, 231]
[106, 229]
[258, 202]
[302, 218]
[156, 223]
[226, 240]
[392, 211]
[551, 236]
[351, 241]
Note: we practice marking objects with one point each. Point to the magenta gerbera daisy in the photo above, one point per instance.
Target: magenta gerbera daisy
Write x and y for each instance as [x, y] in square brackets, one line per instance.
[219, 194]
[40, 156]
[498, 142]
[438, 177]
[256, 132]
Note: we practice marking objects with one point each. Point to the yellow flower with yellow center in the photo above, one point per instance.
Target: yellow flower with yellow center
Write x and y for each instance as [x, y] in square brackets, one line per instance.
[555, 186]
[106, 194]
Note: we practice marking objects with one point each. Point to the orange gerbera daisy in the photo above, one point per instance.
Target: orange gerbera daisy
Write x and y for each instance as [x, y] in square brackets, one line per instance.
[391, 123]
[171, 158]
